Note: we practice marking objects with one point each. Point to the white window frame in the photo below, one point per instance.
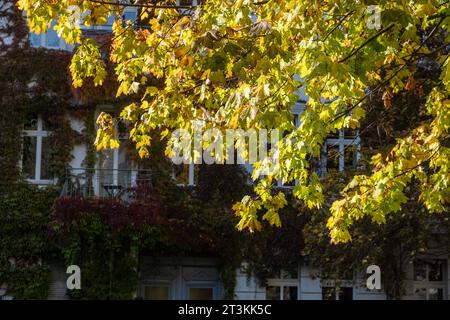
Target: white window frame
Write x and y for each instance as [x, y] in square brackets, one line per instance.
[62, 45]
[194, 3]
[133, 10]
[108, 27]
[283, 281]
[39, 134]
[342, 142]
[115, 166]
[115, 162]
[333, 285]
[427, 284]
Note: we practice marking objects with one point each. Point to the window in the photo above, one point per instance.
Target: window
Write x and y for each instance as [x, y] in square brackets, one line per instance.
[198, 293]
[333, 291]
[429, 279]
[129, 15]
[283, 288]
[156, 293]
[281, 292]
[340, 151]
[114, 174]
[113, 168]
[333, 157]
[48, 39]
[189, 2]
[192, 3]
[429, 294]
[36, 151]
[200, 290]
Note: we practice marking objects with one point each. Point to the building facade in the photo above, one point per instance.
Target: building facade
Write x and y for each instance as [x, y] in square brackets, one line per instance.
[427, 278]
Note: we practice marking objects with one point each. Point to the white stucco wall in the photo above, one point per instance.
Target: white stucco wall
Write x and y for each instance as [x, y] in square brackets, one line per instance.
[248, 288]
[360, 291]
[310, 288]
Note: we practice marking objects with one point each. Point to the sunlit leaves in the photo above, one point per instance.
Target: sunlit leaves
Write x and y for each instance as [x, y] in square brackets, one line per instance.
[106, 134]
[384, 192]
[87, 63]
[237, 65]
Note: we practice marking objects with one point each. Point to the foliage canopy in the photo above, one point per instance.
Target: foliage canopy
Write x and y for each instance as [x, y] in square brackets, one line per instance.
[241, 64]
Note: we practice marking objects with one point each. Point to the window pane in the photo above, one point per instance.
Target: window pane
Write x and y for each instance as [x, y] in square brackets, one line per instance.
[332, 157]
[29, 157]
[106, 159]
[316, 164]
[328, 293]
[129, 15]
[350, 133]
[349, 156]
[290, 293]
[420, 273]
[200, 293]
[52, 39]
[333, 135]
[421, 294]
[31, 121]
[156, 293]
[105, 172]
[124, 174]
[46, 124]
[435, 294]
[110, 20]
[35, 39]
[346, 293]
[288, 184]
[185, 3]
[435, 270]
[122, 131]
[296, 120]
[46, 159]
[273, 293]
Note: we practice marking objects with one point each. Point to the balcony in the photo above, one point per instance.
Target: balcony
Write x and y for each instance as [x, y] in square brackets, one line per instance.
[106, 183]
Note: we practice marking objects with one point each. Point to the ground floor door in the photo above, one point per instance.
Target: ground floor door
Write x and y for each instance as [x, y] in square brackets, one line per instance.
[179, 279]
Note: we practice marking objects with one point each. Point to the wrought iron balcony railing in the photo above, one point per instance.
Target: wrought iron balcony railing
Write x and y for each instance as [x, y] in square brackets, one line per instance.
[104, 183]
